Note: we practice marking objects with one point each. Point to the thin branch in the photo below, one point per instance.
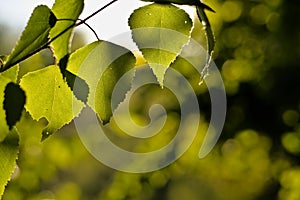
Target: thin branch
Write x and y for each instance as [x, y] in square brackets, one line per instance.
[46, 45]
[91, 29]
[95, 13]
[74, 20]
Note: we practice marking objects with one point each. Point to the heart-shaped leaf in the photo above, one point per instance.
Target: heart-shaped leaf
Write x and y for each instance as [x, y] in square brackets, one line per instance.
[49, 97]
[160, 31]
[101, 64]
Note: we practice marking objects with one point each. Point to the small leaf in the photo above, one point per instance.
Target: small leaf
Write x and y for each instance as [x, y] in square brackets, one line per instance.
[63, 9]
[49, 97]
[9, 149]
[210, 38]
[6, 77]
[14, 101]
[34, 36]
[101, 64]
[160, 35]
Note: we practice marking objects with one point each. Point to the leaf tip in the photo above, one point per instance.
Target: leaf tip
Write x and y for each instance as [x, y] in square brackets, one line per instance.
[45, 135]
[105, 121]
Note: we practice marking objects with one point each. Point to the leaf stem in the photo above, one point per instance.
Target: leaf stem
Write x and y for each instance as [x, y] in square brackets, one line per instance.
[96, 35]
[74, 20]
[46, 45]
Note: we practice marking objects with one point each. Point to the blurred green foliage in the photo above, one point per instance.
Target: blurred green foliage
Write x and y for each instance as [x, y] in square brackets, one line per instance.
[258, 154]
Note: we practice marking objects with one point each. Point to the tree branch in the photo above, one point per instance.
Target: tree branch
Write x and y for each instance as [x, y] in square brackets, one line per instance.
[46, 45]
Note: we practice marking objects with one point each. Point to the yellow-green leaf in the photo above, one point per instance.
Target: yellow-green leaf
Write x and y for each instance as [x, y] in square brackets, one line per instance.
[183, 2]
[63, 9]
[49, 97]
[101, 64]
[9, 149]
[160, 31]
[34, 36]
[6, 77]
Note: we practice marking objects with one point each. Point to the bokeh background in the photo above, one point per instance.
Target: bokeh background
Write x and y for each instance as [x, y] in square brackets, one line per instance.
[258, 154]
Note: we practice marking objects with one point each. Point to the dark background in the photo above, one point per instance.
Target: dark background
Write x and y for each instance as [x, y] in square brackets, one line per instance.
[257, 156]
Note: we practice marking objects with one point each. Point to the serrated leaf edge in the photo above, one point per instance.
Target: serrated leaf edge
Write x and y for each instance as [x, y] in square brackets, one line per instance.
[15, 162]
[177, 54]
[45, 132]
[22, 34]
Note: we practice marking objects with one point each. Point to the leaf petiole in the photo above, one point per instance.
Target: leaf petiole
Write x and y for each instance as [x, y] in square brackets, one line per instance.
[91, 28]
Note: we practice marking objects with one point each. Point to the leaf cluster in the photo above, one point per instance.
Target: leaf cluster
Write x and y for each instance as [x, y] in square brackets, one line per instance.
[58, 93]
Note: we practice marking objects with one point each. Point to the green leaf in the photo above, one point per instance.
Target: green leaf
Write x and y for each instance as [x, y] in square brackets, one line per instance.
[81, 91]
[210, 38]
[160, 45]
[101, 64]
[63, 9]
[6, 77]
[34, 36]
[49, 97]
[11, 73]
[183, 2]
[9, 149]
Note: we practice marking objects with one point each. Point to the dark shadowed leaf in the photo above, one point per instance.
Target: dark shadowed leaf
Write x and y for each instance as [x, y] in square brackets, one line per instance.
[14, 101]
[6, 77]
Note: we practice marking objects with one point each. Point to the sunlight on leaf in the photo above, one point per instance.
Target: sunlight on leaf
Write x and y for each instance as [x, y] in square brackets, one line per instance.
[101, 64]
[48, 96]
[6, 77]
[210, 38]
[9, 149]
[158, 46]
[35, 34]
[64, 10]
[183, 2]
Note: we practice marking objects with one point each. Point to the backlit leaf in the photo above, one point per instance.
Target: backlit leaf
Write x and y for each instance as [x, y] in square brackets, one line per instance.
[160, 31]
[6, 77]
[101, 64]
[9, 149]
[183, 2]
[210, 38]
[34, 36]
[63, 9]
[49, 97]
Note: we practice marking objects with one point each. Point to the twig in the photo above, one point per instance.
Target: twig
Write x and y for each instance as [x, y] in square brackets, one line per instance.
[46, 45]
[74, 20]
